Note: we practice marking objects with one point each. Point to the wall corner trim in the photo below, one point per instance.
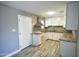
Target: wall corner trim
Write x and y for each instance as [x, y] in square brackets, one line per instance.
[8, 55]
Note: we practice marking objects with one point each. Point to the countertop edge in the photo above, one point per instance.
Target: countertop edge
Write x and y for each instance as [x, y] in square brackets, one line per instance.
[64, 39]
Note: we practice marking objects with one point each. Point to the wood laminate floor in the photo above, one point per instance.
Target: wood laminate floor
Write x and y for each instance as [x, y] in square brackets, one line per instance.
[48, 48]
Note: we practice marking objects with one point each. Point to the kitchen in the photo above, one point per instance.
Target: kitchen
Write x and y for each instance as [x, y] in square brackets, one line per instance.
[56, 32]
[53, 34]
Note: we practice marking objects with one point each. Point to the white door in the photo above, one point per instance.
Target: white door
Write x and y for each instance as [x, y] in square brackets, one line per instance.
[25, 30]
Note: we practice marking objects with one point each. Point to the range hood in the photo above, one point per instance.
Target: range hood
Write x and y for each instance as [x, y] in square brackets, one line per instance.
[38, 23]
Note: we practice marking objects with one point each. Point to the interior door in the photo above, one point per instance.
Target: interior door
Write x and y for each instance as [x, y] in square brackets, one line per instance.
[25, 30]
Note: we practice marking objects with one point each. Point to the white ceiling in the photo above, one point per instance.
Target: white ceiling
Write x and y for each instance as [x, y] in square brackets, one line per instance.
[38, 7]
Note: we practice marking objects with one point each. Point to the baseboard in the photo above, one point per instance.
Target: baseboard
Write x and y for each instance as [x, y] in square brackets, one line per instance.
[12, 53]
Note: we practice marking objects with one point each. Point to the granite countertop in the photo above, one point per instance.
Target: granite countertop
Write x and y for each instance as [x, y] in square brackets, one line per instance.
[36, 32]
[68, 37]
[58, 29]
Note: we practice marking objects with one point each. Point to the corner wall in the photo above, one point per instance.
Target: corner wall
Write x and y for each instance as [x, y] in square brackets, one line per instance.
[9, 41]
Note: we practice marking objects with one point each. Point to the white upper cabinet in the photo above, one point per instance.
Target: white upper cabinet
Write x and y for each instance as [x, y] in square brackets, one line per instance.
[72, 16]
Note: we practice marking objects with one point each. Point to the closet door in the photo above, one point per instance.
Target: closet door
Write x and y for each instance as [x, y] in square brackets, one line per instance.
[25, 29]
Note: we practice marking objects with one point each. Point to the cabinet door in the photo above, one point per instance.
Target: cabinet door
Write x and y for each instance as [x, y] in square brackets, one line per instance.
[36, 40]
[72, 16]
[67, 49]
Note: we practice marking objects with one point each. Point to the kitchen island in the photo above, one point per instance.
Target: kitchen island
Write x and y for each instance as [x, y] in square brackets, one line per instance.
[68, 45]
[68, 37]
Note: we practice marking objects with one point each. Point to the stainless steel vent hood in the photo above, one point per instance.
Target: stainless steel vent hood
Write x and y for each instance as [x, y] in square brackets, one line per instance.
[38, 24]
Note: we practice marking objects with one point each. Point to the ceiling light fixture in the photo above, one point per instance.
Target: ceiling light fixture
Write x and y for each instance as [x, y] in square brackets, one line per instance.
[50, 13]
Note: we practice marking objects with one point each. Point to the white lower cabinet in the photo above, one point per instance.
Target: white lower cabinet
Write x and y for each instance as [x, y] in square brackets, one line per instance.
[36, 39]
[53, 35]
[67, 49]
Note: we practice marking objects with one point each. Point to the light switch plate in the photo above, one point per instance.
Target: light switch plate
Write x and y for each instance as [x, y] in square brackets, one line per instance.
[13, 30]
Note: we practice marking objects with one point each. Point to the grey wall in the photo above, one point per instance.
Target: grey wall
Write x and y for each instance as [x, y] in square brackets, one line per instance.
[78, 34]
[78, 40]
[77, 43]
[9, 41]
